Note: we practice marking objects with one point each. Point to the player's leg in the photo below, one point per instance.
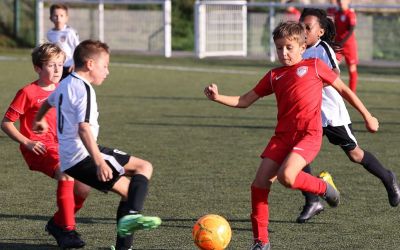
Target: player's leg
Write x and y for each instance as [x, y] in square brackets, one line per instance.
[291, 175]
[344, 137]
[312, 206]
[351, 57]
[373, 166]
[81, 192]
[260, 188]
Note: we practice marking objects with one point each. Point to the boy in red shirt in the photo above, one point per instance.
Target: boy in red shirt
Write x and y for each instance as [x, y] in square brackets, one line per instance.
[40, 151]
[298, 135]
[345, 23]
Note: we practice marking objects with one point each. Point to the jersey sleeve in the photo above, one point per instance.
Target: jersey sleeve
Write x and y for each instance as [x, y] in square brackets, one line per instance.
[264, 86]
[17, 106]
[324, 72]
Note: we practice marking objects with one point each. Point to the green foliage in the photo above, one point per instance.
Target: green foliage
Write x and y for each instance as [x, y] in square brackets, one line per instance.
[182, 25]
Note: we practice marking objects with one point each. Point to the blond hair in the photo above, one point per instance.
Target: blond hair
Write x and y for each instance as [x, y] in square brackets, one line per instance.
[291, 31]
[45, 52]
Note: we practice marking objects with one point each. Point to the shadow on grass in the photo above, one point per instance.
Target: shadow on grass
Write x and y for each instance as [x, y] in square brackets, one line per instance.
[201, 125]
[17, 246]
[81, 220]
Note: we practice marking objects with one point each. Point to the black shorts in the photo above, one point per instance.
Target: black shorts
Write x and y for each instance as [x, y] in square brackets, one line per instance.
[86, 170]
[342, 136]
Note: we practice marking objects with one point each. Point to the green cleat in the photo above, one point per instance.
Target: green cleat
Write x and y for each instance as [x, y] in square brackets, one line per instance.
[132, 222]
[332, 195]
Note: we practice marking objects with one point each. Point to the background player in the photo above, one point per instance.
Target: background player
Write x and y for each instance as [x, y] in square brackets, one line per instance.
[41, 151]
[81, 157]
[63, 35]
[345, 22]
[336, 122]
[298, 135]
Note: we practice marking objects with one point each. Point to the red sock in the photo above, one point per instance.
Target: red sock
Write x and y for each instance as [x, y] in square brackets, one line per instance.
[260, 213]
[353, 80]
[65, 216]
[78, 202]
[308, 183]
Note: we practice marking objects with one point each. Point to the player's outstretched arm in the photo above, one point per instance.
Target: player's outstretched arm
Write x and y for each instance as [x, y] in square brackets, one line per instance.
[104, 172]
[371, 123]
[242, 101]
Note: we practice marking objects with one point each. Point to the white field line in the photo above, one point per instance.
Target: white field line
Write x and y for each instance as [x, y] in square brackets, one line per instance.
[208, 70]
[232, 71]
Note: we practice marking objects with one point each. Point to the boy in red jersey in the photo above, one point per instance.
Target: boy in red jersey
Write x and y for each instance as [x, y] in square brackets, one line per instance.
[40, 151]
[345, 22]
[298, 134]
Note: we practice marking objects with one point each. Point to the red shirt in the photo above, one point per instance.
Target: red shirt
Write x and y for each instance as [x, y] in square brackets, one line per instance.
[343, 21]
[298, 91]
[24, 107]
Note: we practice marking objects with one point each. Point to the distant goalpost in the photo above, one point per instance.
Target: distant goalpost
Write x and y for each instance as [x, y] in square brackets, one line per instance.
[125, 25]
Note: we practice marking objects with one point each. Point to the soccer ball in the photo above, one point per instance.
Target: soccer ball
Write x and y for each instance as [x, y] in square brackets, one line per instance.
[212, 232]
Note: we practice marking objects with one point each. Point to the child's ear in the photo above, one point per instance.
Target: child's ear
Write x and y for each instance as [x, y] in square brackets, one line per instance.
[37, 69]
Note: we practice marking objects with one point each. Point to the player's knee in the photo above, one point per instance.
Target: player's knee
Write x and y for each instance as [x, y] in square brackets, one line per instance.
[356, 155]
[285, 179]
[146, 169]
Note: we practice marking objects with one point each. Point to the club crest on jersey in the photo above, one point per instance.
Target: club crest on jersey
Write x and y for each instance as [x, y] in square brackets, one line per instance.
[301, 71]
[342, 18]
[63, 39]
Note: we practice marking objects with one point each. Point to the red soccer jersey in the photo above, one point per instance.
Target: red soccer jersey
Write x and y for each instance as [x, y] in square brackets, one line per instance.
[343, 21]
[298, 91]
[24, 107]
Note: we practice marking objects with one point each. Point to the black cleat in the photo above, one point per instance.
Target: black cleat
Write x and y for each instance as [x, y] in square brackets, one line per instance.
[260, 246]
[393, 191]
[309, 210]
[64, 238]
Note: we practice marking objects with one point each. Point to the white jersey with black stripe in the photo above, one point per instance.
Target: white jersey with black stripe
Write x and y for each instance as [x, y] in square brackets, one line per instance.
[75, 102]
[67, 38]
[334, 111]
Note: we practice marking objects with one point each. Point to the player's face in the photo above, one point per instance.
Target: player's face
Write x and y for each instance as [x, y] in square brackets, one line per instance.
[59, 18]
[344, 4]
[313, 29]
[289, 51]
[51, 71]
[99, 70]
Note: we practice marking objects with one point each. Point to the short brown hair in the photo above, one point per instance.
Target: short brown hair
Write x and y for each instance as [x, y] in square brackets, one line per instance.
[45, 52]
[290, 30]
[87, 50]
[54, 7]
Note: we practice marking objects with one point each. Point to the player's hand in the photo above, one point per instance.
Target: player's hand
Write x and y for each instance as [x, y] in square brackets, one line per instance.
[40, 127]
[104, 172]
[372, 124]
[211, 92]
[36, 147]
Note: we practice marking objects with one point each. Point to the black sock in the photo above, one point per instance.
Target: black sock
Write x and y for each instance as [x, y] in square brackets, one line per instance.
[137, 192]
[309, 196]
[372, 165]
[123, 243]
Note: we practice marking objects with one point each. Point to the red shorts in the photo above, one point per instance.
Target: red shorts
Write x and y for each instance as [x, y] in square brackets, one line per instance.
[47, 163]
[349, 53]
[305, 143]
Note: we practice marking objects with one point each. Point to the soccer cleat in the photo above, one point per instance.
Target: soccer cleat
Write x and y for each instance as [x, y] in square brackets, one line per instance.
[309, 210]
[260, 246]
[332, 195]
[393, 191]
[132, 222]
[65, 239]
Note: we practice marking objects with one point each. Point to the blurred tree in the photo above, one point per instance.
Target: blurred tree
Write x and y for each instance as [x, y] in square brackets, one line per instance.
[182, 24]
